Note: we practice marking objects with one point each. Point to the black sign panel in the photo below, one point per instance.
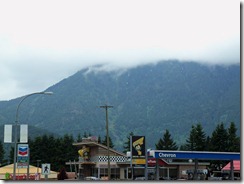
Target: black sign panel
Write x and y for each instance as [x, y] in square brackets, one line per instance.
[138, 146]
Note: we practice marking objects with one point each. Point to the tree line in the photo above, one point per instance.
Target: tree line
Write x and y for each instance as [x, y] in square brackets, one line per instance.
[50, 149]
[59, 150]
[221, 139]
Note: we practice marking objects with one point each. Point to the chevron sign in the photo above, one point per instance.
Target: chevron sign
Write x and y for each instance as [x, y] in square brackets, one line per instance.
[23, 150]
[23, 156]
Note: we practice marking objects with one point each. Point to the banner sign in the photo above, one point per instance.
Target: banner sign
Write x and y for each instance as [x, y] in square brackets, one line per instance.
[7, 133]
[23, 133]
[138, 147]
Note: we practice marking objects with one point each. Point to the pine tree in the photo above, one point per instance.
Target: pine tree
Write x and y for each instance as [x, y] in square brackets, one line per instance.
[53, 150]
[11, 155]
[219, 139]
[233, 141]
[197, 139]
[127, 143]
[104, 142]
[99, 139]
[190, 142]
[2, 152]
[69, 152]
[200, 138]
[85, 135]
[166, 143]
[208, 144]
[160, 144]
[79, 138]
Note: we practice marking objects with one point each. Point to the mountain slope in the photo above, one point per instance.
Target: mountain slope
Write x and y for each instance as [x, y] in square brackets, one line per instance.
[147, 100]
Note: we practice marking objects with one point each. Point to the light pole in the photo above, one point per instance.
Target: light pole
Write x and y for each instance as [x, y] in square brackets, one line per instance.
[16, 125]
[107, 134]
[38, 166]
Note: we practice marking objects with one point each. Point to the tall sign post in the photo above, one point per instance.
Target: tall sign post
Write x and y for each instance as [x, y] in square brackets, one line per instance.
[138, 151]
[23, 149]
[17, 124]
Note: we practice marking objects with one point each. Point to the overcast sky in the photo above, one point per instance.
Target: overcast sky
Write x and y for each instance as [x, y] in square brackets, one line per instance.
[45, 41]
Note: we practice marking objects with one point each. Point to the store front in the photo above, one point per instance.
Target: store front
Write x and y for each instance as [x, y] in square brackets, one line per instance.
[93, 160]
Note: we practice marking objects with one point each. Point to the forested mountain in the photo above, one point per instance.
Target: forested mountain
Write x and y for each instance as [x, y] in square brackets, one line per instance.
[146, 100]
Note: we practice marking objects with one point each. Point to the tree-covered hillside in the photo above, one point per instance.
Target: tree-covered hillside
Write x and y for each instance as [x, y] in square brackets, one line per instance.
[147, 100]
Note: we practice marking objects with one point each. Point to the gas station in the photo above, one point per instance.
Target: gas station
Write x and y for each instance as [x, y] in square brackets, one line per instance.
[196, 156]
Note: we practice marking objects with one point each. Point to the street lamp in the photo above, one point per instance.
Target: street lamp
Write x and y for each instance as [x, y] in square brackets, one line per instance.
[37, 169]
[16, 124]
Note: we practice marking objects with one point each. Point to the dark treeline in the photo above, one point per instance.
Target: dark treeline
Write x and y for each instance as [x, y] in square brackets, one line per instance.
[57, 151]
[221, 140]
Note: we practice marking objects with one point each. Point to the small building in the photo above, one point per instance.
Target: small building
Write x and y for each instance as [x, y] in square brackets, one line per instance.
[93, 161]
[236, 168]
[6, 172]
[173, 169]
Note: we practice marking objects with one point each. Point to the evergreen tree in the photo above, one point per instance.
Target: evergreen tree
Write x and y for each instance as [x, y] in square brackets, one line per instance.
[166, 143]
[99, 139]
[85, 135]
[200, 138]
[2, 152]
[190, 142]
[208, 144]
[79, 138]
[104, 142]
[69, 152]
[233, 140]
[35, 150]
[219, 139]
[52, 150]
[11, 155]
[197, 139]
[183, 147]
[127, 143]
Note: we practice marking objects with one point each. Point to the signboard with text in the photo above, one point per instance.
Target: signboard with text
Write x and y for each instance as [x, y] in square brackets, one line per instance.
[23, 156]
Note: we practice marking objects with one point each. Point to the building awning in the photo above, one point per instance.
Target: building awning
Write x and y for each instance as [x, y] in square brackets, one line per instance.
[236, 165]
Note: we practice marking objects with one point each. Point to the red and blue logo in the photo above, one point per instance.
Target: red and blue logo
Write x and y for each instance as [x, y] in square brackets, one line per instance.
[23, 151]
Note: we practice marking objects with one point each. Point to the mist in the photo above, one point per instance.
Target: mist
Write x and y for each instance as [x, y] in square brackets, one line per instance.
[43, 43]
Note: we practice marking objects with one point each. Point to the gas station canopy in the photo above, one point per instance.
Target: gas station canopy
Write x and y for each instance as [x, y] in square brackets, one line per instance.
[201, 155]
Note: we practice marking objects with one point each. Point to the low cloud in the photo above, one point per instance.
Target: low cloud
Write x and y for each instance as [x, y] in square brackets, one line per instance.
[38, 51]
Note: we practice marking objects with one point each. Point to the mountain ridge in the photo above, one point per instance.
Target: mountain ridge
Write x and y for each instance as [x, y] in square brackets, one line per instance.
[146, 100]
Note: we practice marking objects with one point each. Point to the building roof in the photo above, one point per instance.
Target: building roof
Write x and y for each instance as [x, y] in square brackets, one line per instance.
[92, 143]
[236, 165]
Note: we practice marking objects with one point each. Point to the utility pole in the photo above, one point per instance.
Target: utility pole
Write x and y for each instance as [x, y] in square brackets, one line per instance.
[107, 134]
